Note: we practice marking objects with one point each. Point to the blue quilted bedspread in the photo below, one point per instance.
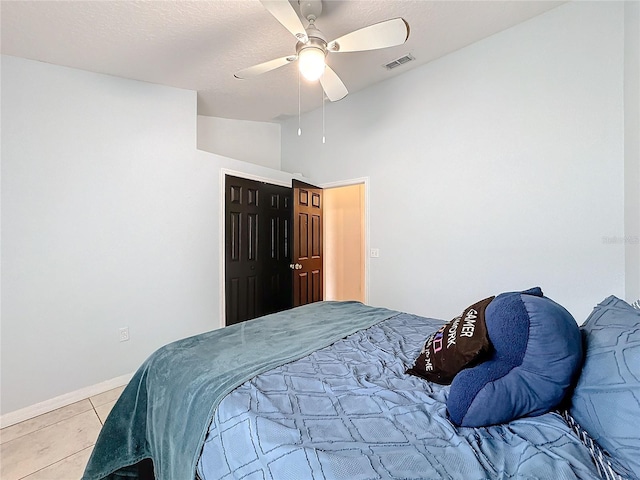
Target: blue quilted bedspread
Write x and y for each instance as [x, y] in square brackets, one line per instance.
[349, 411]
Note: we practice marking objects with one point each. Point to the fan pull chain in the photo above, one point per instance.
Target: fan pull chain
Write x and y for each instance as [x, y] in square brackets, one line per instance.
[323, 130]
[299, 129]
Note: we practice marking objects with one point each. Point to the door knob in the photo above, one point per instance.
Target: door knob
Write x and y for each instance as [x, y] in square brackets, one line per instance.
[295, 266]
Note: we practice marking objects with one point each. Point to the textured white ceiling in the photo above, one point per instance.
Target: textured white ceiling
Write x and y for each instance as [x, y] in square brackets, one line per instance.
[199, 45]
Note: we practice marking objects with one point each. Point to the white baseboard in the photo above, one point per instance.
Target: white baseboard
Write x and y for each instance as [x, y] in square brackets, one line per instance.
[32, 411]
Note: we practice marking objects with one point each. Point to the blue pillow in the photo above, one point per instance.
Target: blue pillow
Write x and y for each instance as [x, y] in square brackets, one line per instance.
[537, 352]
[606, 400]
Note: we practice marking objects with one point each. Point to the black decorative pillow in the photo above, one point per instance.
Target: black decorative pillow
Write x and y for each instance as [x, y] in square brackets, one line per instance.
[459, 344]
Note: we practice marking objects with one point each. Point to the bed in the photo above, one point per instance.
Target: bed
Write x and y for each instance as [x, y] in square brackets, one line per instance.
[322, 392]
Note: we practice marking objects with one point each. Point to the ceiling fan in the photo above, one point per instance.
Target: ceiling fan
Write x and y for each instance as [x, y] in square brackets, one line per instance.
[312, 47]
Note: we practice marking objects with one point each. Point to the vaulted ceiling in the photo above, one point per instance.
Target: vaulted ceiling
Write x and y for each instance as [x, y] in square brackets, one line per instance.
[199, 45]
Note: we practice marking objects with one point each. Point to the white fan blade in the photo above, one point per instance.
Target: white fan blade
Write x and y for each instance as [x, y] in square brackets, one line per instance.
[287, 16]
[379, 35]
[265, 67]
[332, 85]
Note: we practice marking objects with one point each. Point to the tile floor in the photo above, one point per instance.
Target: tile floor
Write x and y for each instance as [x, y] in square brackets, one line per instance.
[56, 445]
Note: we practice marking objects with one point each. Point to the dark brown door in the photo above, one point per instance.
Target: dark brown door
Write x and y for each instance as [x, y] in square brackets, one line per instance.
[307, 243]
[257, 249]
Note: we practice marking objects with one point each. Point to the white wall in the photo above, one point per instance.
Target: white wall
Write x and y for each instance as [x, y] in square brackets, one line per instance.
[110, 218]
[498, 167]
[632, 149]
[253, 142]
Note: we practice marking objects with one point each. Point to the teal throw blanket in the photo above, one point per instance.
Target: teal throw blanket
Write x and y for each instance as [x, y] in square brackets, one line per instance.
[164, 412]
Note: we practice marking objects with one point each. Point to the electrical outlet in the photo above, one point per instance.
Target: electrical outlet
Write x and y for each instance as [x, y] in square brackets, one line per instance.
[375, 252]
[124, 334]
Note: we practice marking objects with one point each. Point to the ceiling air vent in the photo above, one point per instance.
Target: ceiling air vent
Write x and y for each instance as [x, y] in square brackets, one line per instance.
[399, 61]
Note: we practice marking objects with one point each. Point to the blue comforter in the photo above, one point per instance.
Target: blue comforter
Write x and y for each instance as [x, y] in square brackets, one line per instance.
[349, 411]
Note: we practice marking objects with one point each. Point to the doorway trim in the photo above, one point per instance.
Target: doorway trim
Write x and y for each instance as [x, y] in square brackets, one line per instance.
[221, 221]
[346, 183]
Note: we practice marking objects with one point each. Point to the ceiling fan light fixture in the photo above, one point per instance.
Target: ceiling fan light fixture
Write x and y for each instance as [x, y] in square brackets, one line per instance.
[312, 46]
[311, 62]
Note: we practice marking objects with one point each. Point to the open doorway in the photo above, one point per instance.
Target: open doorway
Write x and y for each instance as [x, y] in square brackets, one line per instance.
[345, 242]
[347, 236]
